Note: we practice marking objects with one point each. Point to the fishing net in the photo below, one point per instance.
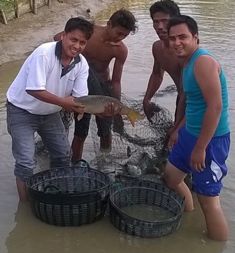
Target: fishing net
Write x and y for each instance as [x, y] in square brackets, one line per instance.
[136, 151]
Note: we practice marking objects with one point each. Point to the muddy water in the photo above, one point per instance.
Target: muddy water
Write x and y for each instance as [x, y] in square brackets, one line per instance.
[21, 232]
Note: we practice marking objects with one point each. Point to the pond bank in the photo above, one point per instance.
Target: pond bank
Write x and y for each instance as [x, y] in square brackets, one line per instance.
[20, 36]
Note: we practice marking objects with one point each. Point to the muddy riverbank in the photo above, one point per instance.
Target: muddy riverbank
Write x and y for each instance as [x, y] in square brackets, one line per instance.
[20, 36]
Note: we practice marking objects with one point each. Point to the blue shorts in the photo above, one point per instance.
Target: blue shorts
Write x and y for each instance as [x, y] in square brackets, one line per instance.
[208, 182]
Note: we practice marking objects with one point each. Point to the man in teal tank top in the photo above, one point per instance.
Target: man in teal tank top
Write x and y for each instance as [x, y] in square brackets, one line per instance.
[200, 143]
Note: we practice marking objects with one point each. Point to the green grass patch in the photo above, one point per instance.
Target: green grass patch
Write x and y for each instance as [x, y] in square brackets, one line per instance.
[6, 4]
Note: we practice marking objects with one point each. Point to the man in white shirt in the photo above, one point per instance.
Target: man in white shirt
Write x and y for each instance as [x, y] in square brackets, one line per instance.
[48, 81]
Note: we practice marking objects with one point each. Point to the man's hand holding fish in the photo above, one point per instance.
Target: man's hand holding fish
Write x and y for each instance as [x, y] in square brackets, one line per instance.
[69, 105]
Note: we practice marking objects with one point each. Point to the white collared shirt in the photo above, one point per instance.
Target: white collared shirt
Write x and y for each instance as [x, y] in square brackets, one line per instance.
[42, 71]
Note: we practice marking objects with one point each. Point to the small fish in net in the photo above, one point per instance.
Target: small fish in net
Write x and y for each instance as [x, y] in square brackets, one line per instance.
[135, 150]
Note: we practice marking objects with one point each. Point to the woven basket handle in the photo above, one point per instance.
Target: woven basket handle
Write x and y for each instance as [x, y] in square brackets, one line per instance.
[82, 163]
[51, 189]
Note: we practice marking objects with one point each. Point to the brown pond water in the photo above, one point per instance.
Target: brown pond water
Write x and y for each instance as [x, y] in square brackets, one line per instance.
[21, 232]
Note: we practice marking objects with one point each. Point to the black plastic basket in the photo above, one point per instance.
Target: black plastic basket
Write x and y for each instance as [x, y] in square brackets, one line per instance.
[145, 193]
[69, 196]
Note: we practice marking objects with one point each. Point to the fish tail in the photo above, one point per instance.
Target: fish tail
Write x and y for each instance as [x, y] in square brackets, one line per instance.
[133, 116]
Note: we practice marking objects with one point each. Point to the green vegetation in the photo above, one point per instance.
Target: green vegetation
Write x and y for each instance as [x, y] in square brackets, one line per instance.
[6, 4]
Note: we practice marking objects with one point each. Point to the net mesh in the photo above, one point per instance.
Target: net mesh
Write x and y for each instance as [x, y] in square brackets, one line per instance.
[136, 151]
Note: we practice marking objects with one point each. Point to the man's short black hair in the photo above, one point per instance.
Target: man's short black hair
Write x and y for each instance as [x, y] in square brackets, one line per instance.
[125, 19]
[165, 6]
[183, 19]
[81, 24]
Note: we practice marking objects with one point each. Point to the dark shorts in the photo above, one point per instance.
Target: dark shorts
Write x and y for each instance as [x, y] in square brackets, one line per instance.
[209, 181]
[95, 87]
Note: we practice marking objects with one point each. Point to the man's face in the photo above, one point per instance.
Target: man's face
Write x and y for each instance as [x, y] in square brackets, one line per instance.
[182, 41]
[117, 33]
[73, 43]
[160, 22]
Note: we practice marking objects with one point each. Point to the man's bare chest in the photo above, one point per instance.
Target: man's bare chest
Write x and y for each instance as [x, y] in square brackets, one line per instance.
[169, 63]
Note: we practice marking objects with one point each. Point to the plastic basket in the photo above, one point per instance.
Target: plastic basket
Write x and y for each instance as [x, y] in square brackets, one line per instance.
[69, 196]
[149, 194]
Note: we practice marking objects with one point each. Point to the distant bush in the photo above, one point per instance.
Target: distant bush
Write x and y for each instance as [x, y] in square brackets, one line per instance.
[6, 4]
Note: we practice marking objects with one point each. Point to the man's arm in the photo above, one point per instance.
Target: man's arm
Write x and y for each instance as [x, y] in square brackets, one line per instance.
[66, 102]
[207, 75]
[117, 72]
[179, 120]
[180, 107]
[154, 83]
[36, 84]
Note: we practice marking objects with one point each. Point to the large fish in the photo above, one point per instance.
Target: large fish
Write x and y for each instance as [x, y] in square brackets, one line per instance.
[95, 104]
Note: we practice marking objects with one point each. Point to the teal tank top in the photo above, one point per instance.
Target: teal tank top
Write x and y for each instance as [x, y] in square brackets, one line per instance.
[195, 103]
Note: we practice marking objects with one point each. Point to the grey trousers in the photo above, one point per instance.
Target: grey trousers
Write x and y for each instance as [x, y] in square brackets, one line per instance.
[22, 127]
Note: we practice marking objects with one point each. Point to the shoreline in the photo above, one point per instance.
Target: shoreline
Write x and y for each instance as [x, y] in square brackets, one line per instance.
[22, 35]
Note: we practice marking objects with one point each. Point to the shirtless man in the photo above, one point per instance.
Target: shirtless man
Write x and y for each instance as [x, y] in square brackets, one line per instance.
[164, 58]
[104, 45]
